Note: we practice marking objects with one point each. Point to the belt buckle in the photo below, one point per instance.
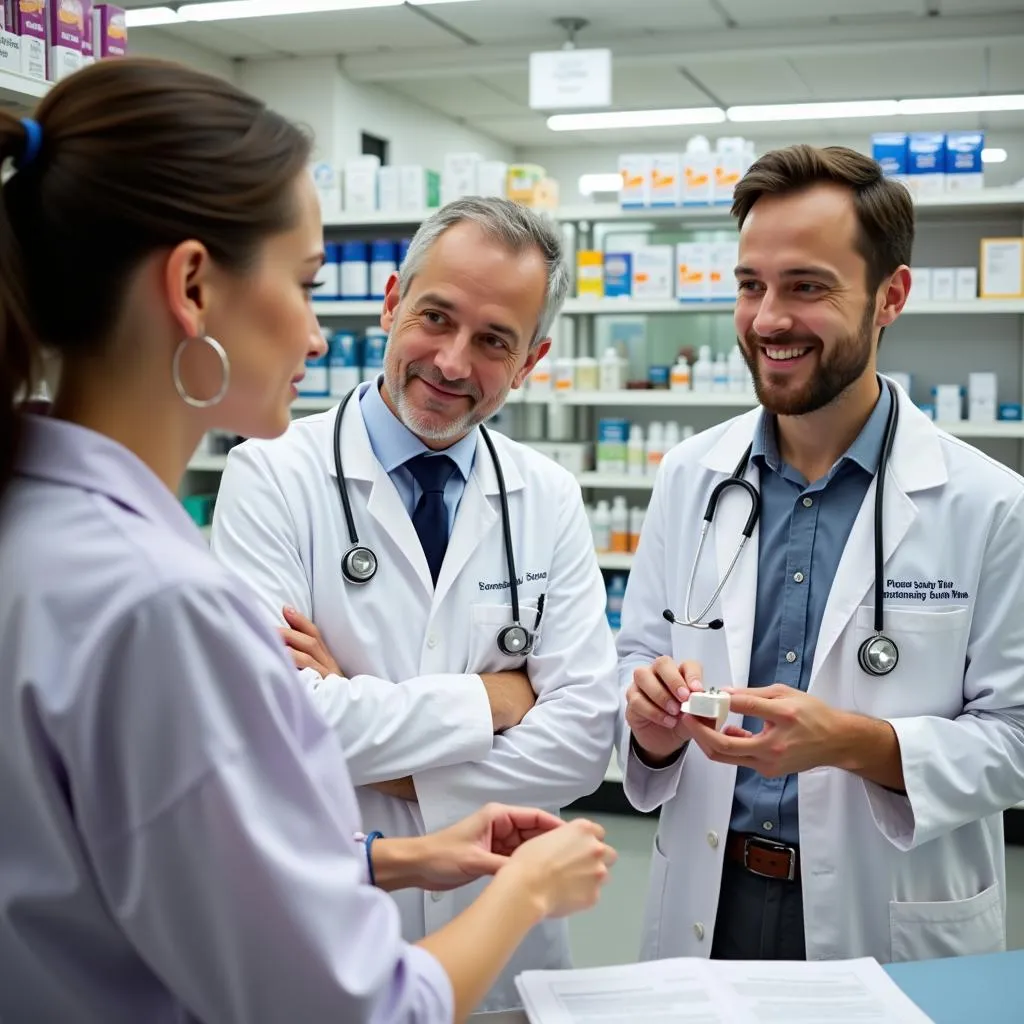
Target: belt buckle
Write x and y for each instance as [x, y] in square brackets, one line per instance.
[774, 847]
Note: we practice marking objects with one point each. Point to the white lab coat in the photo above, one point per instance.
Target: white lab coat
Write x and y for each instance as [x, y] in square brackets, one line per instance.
[884, 875]
[412, 703]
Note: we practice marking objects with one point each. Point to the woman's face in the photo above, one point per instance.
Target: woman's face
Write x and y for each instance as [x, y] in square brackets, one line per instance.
[265, 321]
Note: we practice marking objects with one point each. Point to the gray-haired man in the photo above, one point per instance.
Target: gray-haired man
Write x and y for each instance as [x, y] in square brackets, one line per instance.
[435, 718]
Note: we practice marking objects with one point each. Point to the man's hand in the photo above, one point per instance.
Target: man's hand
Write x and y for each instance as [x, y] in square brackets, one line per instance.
[478, 845]
[653, 703]
[306, 644]
[511, 697]
[401, 789]
[802, 732]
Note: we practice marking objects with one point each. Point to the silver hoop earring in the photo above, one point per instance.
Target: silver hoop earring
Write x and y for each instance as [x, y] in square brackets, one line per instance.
[225, 366]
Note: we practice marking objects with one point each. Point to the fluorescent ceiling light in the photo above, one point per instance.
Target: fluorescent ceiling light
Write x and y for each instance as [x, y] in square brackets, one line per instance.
[591, 183]
[231, 10]
[813, 111]
[636, 119]
[994, 155]
[962, 105]
[140, 17]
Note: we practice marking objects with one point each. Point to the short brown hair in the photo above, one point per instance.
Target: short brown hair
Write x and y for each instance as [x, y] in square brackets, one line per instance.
[885, 211]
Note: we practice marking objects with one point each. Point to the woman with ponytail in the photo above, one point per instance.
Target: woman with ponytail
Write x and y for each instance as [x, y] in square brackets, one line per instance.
[179, 839]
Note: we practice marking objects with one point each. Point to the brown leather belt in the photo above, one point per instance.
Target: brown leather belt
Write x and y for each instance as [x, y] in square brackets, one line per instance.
[763, 857]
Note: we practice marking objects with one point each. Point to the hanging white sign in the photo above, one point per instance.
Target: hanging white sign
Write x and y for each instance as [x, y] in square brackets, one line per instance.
[563, 79]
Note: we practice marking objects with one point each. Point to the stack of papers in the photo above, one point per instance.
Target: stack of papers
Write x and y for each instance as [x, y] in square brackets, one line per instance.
[695, 991]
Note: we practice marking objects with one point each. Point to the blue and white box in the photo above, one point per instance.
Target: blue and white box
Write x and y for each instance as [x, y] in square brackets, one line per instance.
[615, 595]
[328, 277]
[618, 275]
[355, 271]
[383, 263]
[890, 150]
[314, 384]
[612, 441]
[373, 352]
[343, 363]
[964, 170]
[926, 164]
[1012, 411]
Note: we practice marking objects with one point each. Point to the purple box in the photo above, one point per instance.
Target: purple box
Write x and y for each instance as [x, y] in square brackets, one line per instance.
[87, 57]
[109, 31]
[64, 31]
[28, 20]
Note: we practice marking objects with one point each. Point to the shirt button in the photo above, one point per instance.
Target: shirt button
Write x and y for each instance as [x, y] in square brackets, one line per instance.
[437, 896]
[698, 930]
[798, 577]
[713, 840]
[431, 641]
[808, 502]
[767, 826]
[791, 656]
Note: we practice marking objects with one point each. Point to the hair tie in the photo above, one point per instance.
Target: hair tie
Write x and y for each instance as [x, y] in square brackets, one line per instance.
[33, 143]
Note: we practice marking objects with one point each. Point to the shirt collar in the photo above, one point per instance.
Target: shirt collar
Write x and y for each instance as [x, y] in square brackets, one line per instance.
[864, 451]
[394, 444]
[75, 456]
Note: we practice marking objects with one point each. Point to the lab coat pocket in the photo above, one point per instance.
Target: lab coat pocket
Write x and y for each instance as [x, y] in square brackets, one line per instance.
[928, 677]
[485, 622]
[650, 943]
[922, 931]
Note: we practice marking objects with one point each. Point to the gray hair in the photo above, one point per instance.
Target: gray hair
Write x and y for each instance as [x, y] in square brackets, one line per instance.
[511, 224]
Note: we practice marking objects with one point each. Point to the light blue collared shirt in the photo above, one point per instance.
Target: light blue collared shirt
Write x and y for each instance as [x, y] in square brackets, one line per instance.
[394, 444]
[799, 548]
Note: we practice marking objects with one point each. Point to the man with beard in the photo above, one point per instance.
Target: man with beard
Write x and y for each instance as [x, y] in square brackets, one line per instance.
[870, 637]
[440, 709]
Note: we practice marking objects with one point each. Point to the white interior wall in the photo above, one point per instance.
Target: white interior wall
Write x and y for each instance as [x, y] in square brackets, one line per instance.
[337, 109]
[566, 164]
[153, 43]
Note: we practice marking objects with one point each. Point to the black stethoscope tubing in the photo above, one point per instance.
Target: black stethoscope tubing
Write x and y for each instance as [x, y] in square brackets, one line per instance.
[359, 564]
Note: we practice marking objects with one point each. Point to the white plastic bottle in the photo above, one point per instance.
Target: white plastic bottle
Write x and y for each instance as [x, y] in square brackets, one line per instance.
[655, 447]
[739, 375]
[611, 373]
[720, 374]
[602, 527]
[636, 524]
[619, 525]
[587, 374]
[636, 453]
[703, 370]
[540, 382]
[671, 435]
[679, 378]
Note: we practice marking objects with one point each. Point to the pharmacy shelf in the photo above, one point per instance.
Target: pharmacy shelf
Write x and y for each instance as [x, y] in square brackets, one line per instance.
[994, 431]
[360, 308]
[656, 397]
[615, 481]
[614, 560]
[21, 92]
[617, 307]
[951, 204]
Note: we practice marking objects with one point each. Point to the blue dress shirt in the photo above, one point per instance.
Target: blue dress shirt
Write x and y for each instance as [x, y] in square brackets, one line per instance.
[394, 444]
[803, 531]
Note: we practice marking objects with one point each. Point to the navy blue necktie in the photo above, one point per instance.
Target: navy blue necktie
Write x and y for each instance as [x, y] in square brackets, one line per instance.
[430, 516]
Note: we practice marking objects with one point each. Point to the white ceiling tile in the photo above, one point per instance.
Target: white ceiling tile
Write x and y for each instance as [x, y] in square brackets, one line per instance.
[749, 13]
[753, 80]
[910, 73]
[502, 21]
[460, 97]
[640, 88]
[979, 6]
[1006, 68]
[225, 39]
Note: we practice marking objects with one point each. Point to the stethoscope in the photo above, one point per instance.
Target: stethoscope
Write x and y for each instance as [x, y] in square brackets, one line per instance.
[359, 563]
[878, 654]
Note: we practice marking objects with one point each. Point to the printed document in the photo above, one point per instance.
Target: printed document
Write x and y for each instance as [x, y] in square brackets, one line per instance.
[696, 991]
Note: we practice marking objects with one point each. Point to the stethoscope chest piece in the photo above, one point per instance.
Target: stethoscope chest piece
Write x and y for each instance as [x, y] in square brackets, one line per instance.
[359, 564]
[878, 655]
[514, 641]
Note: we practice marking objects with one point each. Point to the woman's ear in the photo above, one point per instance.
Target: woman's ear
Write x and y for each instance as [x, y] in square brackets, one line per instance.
[188, 286]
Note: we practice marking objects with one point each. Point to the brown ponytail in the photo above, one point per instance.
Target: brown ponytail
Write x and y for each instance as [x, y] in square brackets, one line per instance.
[16, 354]
[135, 156]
